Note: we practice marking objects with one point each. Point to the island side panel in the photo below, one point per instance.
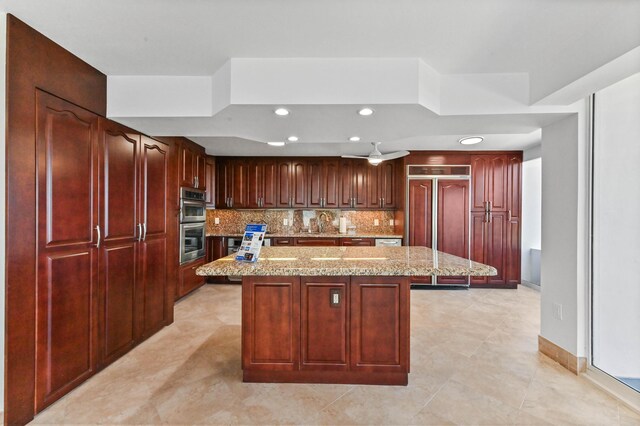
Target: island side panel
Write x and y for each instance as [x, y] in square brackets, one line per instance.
[380, 324]
[271, 323]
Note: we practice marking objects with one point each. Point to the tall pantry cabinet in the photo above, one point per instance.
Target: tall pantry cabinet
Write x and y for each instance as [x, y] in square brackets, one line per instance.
[103, 243]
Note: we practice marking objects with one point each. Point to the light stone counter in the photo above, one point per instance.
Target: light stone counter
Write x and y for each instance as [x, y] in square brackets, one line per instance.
[357, 261]
[313, 235]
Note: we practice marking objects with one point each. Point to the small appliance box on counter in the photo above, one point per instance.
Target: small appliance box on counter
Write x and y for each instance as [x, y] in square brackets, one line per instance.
[252, 242]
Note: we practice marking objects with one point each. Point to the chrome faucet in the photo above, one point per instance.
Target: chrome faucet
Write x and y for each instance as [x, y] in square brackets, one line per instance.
[321, 221]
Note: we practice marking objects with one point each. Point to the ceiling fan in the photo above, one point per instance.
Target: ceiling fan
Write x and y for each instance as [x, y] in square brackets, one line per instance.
[375, 157]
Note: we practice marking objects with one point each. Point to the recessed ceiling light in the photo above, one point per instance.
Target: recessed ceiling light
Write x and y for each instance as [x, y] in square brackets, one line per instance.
[276, 143]
[292, 139]
[471, 140]
[282, 111]
[354, 139]
[365, 111]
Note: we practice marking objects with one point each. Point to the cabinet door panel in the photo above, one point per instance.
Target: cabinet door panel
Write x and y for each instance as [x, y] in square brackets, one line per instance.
[420, 211]
[299, 183]
[331, 183]
[284, 184]
[364, 242]
[387, 182]
[187, 279]
[66, 341]
[317, 242]
[239, 194]
[379, 324]
[314, 183]
[201, 171]
[346, 183]
[153, 288]
[497, 191]
[188, 166]
[374, 197]
[360, 183]
[271, 313]
[117, 283]
[270, 184]
[324, 324]
[479, 178]
[223, 179]
[255, 184]
[210, 178]
[154, 180]
[453, 222]
[496, 246]
[478, 242]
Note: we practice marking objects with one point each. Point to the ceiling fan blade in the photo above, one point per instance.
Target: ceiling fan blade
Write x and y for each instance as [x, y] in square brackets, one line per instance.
[362, 157]
[392, 155]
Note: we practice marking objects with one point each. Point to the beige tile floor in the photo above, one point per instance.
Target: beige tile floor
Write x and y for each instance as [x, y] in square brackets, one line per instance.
[474, 360]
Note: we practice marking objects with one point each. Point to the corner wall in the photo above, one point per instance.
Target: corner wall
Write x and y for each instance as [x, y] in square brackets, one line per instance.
[564, 232]
[532, 214]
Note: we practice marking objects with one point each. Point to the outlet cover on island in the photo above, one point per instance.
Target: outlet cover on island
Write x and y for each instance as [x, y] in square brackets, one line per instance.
[391, 222]
[216, 221]
[285, 222]
[376, 222]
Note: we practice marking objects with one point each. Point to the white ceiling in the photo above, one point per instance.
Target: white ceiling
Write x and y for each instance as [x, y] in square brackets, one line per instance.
[554, 42]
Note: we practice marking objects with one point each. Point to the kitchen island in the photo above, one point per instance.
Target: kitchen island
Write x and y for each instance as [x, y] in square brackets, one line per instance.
[332, 314]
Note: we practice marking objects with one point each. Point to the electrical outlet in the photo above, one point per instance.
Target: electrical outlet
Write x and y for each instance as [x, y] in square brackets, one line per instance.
[391, 222]
[285, 222]
[557, 311]
[376, 222]
[216, 221]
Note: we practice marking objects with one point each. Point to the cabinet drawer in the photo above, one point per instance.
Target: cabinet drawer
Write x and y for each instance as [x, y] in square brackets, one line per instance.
[317, 242]
[367, 242]
[282, 241]
[188, 280]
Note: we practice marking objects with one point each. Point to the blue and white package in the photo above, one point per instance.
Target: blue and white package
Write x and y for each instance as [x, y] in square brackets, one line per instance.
[252, 242]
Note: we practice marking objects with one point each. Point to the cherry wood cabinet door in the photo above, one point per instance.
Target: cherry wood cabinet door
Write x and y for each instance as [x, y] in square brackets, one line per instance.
[453, 223]
[67, 297]
[188, 166]
[239, 185]
[360, 181]
[223, 183]
[345, 183]
[271, 323]
[498, 182]
[269, 184]
[279, 241]
[331, 183]
[496, 254]
[315, 187]
[479, 177]
[210, 178]
[201, 171]
[362, 242]
[119, 221]
[188, 281]
[478, 242]
[324, 323]
[255, 183]
[420, 211]
[388, 185]
[379, 324]
[154, 300]
[374, 196]
[298, 178]
[285, 192]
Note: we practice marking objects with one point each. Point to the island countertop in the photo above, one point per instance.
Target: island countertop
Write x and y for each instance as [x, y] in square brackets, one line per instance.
[356, 261]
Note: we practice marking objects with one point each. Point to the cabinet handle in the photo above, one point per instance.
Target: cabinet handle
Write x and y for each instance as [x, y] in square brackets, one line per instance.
[383, 202]
[144, 229]
[231, 202]
[489, 204]
[290, 201]
[509, 216]
[99, 236]
[139, 231]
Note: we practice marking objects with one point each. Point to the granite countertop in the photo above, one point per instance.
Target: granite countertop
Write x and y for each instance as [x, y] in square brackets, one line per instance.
[383, 261]
[313, 235]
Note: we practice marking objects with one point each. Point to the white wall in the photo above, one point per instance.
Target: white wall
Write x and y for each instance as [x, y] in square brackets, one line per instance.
[3, 56]
[564, 231]
[531, 213]
[616, 289]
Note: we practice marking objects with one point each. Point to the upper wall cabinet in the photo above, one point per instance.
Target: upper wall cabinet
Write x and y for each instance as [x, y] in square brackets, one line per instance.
[192, 166]
[489, 174]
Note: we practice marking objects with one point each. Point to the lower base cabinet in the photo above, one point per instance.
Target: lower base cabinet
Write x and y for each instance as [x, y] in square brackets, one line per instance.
[188, 281]
[325, 330]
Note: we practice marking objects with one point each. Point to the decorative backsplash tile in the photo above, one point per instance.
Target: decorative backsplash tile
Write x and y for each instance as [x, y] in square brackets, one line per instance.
[234, 221]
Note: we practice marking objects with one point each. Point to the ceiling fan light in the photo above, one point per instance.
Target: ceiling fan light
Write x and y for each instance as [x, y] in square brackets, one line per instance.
[276, 143]
[374, 161]
[471, 140]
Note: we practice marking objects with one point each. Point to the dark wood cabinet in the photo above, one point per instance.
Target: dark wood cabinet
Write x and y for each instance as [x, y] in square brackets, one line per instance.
[323, 183]
[379, 324]
[292, 184]
[188, 281]
[353, 184]
[66, 340]
[360, 182]
[489, 175]
[279, 241]
[262, 184]
[489, 244]
[324, 320]
[317, 242]
[216, 247]
[389, 187]
[453, 223]
[362, 242]
[271, 323]
[192, 165]
[232, 184]
[210, 181]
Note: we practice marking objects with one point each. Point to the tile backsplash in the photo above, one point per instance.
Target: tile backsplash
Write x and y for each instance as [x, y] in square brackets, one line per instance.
[234, 221]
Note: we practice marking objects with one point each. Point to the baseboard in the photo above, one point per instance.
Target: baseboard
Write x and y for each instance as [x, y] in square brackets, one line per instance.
[530, 284]
[577, 365]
